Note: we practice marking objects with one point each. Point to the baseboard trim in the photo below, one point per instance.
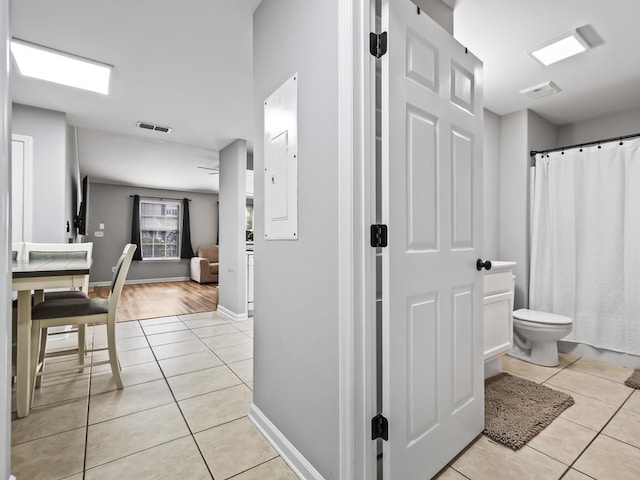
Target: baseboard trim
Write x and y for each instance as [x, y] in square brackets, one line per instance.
[142, 280]
[290, 454]
[232, 315]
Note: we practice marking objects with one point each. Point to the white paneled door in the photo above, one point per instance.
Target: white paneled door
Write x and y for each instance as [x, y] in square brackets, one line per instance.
[433, 382]
[21, 188]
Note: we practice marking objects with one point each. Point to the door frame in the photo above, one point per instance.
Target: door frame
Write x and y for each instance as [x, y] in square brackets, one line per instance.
[356, 259]
[27, 184]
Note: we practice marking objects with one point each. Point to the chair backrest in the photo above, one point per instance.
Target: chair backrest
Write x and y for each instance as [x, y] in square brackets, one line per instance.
[17, 251]
[32, 251]
[210, 252]
[122, 268]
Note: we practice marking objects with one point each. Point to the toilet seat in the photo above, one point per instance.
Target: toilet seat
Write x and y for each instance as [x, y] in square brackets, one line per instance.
[541, 318]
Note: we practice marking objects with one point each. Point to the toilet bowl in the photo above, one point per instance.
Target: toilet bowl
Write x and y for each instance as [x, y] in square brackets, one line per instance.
[536, 335]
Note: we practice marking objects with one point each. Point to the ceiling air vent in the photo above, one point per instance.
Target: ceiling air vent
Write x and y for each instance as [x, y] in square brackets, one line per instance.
[543, 90]
[154, 127]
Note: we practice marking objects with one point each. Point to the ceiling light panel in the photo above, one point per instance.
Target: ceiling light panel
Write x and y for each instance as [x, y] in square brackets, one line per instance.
[565, 46]
[51, 65]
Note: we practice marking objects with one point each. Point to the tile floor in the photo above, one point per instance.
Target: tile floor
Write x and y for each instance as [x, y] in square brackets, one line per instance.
[183, 414]
[597, 438]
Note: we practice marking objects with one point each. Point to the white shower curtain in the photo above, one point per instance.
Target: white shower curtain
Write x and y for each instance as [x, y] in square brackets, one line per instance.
[585, 248]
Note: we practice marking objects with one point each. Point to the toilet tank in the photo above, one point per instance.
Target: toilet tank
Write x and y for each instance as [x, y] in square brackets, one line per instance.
[499, 284]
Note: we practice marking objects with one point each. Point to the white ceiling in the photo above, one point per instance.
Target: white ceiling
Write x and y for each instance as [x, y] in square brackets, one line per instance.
[188, 65]
[602, 80]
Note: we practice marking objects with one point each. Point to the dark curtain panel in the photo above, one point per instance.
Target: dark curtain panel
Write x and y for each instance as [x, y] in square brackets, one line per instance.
[186, 250]
[135, 228]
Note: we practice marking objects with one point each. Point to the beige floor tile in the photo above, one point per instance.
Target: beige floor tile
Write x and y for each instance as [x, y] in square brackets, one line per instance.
[607, 458]
[189, 363]
[53, 457]
[520, 368]
[118, 403]
[202, 381]
[244, 369]
[248, 333]
[135, 357]
[206, 322]
[250, 385]
[633, 403]
[129, 332]
[275, 469]
[102, 381]
[49, 420]
[164, 328]
[128, 324]
[601, 369]
[625, 426]
[233, 448]
[205, 332]
[450, 474]
[213, 409]
[227, 340]
[171, 337]
[78, 476]
[179, 349]
[131, 343]
[586, 411]
[567, 359]
[575, 475]
[595, 387]
[52, 366]
[244, 325]
[159, 321]
[486, 460]
[235, 353]
[54, 390]
[114, 439]
[170, 461]
[202, 316]
[563, 440]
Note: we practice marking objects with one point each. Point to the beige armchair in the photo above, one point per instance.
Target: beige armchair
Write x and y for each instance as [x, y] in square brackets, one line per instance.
[204, 266]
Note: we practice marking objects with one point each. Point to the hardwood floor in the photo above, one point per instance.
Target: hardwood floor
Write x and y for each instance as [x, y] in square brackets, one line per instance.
[150, 300]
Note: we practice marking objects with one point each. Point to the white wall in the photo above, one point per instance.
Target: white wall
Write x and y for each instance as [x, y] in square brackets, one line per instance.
[296, 375]
[232, 277]
[605, 126]
[112, 205]
[5, 234]
[50, 181]
[491, 186]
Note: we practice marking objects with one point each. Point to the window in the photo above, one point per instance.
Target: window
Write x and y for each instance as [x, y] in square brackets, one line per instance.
[160, 229]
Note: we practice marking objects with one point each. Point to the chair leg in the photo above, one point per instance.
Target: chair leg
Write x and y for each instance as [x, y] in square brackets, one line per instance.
[82, 329]
[113, 354]
[43, 349]
[35, 354]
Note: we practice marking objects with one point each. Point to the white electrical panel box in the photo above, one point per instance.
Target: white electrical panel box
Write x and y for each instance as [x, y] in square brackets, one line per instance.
[281, 162]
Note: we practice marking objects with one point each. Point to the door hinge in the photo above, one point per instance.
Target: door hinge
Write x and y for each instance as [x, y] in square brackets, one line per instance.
[379, 427]
[378, 235]
[378, 44]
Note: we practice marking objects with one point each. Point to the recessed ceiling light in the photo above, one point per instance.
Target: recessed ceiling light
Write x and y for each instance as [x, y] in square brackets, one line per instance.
[59, 67]
[565, 46]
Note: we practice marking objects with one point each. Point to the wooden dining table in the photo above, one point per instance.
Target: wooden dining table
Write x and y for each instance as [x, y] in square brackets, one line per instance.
[35, 276]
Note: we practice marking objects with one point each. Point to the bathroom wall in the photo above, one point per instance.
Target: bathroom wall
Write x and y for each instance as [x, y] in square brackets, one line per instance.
[491, 187]
[616, 124]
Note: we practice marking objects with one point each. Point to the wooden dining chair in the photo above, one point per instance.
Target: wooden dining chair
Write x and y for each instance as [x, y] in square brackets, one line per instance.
[60, 251]
[84, 311]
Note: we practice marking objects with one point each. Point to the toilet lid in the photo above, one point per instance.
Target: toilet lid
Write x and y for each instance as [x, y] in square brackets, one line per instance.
[546, 318]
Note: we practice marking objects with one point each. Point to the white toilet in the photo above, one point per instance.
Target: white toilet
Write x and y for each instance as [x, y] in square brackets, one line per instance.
[536, 335]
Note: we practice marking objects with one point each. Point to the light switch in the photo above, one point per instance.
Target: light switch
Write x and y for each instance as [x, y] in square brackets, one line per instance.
[101, 226]
[99, 233]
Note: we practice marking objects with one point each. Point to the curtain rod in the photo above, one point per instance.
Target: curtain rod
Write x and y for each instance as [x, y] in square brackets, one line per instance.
[160, 198]
[533, 153]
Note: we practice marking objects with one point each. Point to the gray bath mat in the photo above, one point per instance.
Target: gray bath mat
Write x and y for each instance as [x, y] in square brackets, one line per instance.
[634, 380]
[516, 409]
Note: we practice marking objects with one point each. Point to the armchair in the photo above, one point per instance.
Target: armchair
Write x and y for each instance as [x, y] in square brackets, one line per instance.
[204, 266]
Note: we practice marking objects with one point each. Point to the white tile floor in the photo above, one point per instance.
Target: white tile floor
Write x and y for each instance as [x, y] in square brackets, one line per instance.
[183, 414]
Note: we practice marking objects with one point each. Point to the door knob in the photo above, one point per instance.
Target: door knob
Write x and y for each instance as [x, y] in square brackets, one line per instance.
[486, 264]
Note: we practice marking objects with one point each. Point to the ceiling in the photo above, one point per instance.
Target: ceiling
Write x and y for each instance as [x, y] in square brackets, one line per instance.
[188, 65]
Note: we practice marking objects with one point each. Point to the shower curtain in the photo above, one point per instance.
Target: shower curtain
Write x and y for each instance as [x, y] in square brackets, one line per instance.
[585, 246]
